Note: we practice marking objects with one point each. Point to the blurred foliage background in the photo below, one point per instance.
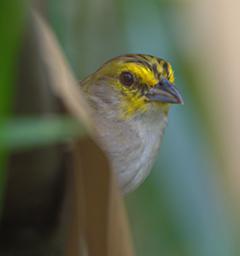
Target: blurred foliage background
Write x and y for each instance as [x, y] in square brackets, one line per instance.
[188, 206]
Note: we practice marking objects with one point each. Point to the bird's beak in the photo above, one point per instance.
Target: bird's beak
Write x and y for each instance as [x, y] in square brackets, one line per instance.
[165, 92]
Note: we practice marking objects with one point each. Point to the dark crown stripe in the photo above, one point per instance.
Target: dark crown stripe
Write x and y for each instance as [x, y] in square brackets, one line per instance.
[155, 71]
[145, 57]
[166, 67]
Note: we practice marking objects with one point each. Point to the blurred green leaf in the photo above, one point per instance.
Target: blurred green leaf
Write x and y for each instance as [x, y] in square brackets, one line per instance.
[12, 14]
[11, 26]
[25, 133]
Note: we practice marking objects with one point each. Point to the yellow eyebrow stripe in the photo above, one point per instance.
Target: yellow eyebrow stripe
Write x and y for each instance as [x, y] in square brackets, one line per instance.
[143, 73]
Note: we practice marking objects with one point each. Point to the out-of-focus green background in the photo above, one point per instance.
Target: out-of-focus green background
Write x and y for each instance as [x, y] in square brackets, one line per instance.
[186, 206]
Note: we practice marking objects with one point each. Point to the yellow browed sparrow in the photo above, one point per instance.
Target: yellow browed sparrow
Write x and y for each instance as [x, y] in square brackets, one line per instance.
[130, 96]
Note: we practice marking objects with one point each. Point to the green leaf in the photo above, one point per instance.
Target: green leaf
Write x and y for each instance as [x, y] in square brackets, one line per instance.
[26, 133]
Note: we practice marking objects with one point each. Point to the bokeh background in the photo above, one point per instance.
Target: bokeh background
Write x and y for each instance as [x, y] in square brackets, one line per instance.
[190, 203]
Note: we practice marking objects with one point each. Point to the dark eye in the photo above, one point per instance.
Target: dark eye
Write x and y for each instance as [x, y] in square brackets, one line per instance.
[126, 78]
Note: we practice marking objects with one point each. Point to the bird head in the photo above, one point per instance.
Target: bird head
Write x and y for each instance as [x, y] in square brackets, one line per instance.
[142, 82]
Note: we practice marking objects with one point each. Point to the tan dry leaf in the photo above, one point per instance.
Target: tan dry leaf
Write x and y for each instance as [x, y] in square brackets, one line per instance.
[63, 83]
[105, 223]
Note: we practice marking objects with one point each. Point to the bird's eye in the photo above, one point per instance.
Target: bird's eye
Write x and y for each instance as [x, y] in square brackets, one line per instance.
[126, 78]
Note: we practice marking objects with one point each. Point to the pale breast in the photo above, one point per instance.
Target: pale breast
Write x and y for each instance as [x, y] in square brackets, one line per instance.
[131, 146]
[149, 133]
